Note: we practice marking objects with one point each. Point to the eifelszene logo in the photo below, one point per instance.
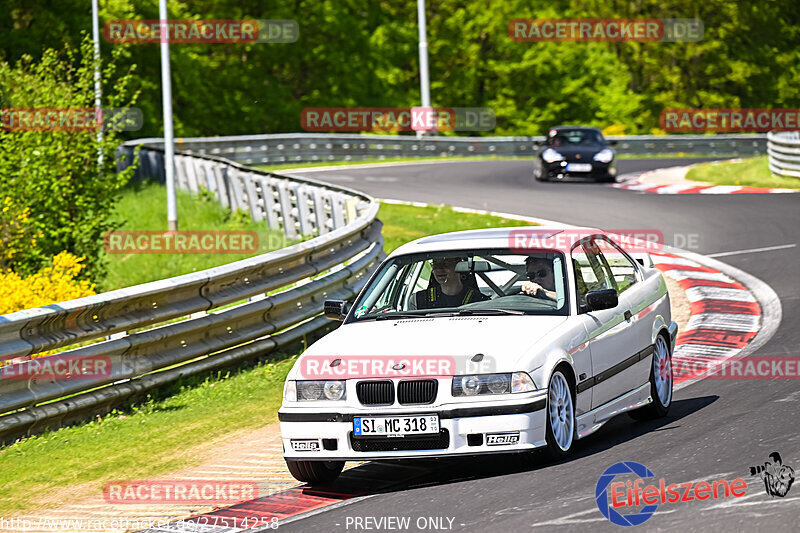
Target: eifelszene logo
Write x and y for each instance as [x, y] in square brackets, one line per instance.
[777, 477]
[613, 497]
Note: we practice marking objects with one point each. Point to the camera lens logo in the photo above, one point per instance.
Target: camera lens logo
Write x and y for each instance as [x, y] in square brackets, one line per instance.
[777, 477]
[601, 494]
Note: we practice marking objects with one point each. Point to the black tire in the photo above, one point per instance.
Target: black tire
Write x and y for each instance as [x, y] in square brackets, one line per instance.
[661, 403]
[315, 472]
[560, 443]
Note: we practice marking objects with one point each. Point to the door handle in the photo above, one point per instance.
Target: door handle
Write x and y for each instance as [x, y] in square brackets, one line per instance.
[627, 315]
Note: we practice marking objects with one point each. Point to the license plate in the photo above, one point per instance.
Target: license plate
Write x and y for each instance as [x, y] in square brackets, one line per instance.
[395, 426]
[579, 167]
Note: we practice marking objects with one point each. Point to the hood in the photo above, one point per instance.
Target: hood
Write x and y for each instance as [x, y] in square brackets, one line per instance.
[502, 340]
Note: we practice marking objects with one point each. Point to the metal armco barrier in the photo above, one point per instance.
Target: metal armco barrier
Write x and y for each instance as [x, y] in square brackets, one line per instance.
[203, 320]
[308, 147]
[157, 332]
[784, 153]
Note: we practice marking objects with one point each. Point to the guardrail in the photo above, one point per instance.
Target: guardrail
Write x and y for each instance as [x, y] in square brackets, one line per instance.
[155, 333]
[784, 153]
[307, 147]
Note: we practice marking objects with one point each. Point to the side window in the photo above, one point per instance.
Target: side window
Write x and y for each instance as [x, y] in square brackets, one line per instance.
[592, 272]
[623, 270]
[389, 296]
[417, 280]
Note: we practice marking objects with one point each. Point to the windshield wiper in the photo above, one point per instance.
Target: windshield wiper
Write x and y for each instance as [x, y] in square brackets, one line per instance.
[479, 311]
[387, 316]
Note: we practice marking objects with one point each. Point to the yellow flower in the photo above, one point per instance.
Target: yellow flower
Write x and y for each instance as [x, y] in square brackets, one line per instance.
[51, 284]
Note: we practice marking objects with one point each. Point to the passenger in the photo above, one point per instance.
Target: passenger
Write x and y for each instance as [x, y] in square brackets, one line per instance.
[451, 289]
[542, 281]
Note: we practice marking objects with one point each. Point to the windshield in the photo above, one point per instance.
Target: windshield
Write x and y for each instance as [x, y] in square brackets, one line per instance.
[485, 282]
[575, 137]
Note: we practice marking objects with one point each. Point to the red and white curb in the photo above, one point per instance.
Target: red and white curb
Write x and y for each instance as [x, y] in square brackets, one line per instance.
[638, 183]
[724, 316]
[683, 188]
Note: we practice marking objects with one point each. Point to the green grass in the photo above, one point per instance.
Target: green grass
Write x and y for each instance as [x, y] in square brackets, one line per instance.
[404, 223]
[749, 173]
[375, 161]
[143, 206]
[284, 166]
[146, 441]
[159, 436]
[675, 155]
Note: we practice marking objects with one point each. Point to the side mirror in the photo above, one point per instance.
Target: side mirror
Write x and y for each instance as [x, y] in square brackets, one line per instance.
[613, 142]
[602, 299]
[335, 309]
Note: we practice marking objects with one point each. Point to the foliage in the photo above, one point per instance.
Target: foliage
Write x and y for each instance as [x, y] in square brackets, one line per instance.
[53, 176]
[355, 53]
[54, 283]
[15, 232]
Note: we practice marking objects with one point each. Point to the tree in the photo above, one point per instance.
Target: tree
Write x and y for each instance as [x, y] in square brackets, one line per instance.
[53, 176]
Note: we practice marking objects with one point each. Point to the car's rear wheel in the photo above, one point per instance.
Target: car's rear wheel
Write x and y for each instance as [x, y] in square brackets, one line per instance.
[560, 434]
[660, 383]
[315, 472]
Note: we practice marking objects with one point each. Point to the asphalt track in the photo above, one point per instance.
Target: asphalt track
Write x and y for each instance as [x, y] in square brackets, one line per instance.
[715, 429]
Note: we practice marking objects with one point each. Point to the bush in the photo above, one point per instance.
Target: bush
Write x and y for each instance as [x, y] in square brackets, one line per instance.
[15, 232]
[57, 197]
[614, 129]
[54, 283]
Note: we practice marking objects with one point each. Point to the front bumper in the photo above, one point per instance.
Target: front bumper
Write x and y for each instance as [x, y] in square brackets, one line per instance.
[460, 425]
[598, 171]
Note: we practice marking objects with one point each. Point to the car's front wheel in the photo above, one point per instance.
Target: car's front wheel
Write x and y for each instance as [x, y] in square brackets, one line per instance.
[315, 472]
[660, 383]
[560, 433]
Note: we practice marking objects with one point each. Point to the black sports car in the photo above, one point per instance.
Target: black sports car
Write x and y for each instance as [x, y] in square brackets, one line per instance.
[575, 151]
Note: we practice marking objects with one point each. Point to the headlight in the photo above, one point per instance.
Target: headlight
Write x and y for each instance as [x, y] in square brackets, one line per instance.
[552, 156]
[604, 156]
[320, 390]
[290, 391]
[522, 382]
[492, 384]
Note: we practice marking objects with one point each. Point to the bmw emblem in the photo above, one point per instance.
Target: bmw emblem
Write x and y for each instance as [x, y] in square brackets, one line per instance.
[398, 366]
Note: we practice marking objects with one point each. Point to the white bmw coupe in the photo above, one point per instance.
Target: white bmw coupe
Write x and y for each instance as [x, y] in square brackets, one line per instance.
[485, 341]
